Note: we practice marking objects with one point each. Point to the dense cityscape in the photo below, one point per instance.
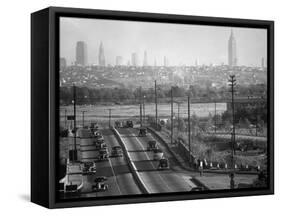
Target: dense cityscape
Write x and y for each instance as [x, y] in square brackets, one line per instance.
[139, 128]
[135, 73]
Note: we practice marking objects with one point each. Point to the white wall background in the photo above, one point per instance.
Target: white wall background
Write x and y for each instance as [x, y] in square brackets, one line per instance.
[15, 106]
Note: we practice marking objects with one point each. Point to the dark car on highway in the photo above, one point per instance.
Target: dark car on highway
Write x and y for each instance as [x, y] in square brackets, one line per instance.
[142, 132]
[116, 151]
[129, 124]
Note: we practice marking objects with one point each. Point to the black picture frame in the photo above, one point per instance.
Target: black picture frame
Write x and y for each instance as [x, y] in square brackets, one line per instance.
[45, 113]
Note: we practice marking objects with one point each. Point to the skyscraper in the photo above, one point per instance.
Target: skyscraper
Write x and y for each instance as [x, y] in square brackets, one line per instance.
[101, 55]
[262, 62]
[232, 57]
[134, 60]
[119, 60]
[62, 63]
[165, 62]
[81, 53]
[145, 59]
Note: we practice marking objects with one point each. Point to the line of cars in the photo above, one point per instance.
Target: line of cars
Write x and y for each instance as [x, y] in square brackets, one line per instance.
[99, 143]
[75, 169]
[124, 124]
[158, 155]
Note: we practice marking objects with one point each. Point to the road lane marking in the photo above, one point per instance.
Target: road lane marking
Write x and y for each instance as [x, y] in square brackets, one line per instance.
[109, 160]
[187, 179]
[131, 162]
[151, 162]
[115, 177]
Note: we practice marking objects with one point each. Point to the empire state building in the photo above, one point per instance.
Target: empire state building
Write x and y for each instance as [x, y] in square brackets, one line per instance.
[101, 55]
[232, 56]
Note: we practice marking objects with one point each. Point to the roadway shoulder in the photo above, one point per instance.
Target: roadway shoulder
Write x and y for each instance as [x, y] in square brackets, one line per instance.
[130, 163]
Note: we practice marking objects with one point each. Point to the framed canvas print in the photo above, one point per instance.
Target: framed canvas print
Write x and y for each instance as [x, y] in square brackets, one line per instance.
[138, 107]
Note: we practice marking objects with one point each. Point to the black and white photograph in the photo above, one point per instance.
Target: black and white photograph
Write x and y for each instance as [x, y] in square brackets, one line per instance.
[161, 108]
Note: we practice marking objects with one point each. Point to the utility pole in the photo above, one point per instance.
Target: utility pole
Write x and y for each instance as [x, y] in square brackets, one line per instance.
[65, 118]
[140, 107]
[109, 118]
[143, 103]
[178, 103]
[215, 117]
[156, 108]
[256, 123]
[232, 84]
[172, 120]
[74, 110]
[189, 135]
[140, 114]
[83, 118]
[179, 116]
[73, 152]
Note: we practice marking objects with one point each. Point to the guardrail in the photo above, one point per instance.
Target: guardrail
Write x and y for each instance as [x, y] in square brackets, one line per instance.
[132, 166]
[169, 149]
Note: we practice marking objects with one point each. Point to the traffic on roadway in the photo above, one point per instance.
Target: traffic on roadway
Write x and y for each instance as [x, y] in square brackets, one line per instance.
[123, 160]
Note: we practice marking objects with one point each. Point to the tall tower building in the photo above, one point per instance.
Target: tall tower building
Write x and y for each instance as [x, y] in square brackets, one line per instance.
[101, 55]
[119, 60]
[232, 55]
[63, 63]
[196, 62]
[134, 60]
[262, 62]
[81, 53]
[145, 59]
[166, 63]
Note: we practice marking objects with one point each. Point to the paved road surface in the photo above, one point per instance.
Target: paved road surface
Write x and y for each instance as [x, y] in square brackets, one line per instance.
[154, 180]
[116, 169]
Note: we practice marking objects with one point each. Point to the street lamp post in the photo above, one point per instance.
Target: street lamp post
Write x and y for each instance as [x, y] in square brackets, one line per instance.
[178, 103]
[232, 84]
[172, 112]
[215, 117]
[144, 109]
[109, 118]
[83, 117]
[156, 108]
[189, 127]
[74, 113]
[140, 98]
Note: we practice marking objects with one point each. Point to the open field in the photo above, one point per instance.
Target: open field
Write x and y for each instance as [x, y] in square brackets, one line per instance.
[101, 112]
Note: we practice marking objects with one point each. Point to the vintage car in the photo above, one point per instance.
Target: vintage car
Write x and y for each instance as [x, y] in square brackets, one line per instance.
[89, 168]
[103, 154]
[116, 151]
[163, 164]
[142, 132]
[100, 184]
[152, 145]
[157, 154]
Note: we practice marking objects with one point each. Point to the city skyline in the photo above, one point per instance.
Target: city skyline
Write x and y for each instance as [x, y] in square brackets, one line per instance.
[180, 44]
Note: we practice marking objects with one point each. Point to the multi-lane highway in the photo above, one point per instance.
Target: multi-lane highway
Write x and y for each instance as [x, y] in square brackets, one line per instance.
[119, 175]
[172, 180]
[119, 178]
[136, 172]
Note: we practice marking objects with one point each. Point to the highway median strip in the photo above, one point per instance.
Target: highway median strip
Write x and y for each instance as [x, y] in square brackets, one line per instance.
[132, 166]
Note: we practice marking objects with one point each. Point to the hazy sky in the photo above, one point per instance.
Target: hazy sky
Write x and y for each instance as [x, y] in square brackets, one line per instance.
[182, 44]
